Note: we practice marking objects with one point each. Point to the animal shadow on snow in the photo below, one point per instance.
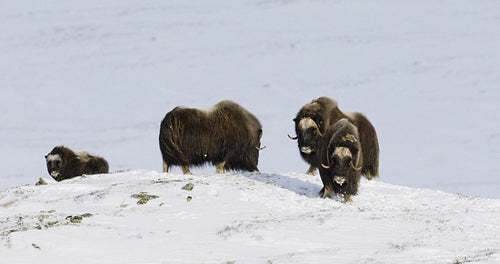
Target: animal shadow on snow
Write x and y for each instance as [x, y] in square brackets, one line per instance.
[300, 187]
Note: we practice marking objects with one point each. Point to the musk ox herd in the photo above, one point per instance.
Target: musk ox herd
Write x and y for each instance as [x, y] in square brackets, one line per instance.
[341, 145]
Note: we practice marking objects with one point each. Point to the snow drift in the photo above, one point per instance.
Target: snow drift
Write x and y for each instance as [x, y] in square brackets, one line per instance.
[149, 217]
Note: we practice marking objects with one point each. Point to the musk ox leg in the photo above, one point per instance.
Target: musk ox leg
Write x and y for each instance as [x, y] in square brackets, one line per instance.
[185, 170]
[311, 170]
[165, 167]
[347, 198]
[220, 167]
[327, 192]
[322, 191]
[368, 176]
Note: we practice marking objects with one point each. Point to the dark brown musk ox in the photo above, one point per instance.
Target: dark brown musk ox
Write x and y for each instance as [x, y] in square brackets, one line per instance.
[64, 163]
[340, 155]
[226, 135]
[314, 118]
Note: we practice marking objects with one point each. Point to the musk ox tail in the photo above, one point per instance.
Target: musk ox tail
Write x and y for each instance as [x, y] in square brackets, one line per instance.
[170, 131]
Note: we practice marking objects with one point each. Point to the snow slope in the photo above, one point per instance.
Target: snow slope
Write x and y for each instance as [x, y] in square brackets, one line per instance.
[241, 218]
[100, 75]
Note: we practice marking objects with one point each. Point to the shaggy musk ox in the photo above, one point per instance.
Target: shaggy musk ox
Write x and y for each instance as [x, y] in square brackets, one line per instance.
[340, 155]
[226, 135]
[314, 118]
[64, 163]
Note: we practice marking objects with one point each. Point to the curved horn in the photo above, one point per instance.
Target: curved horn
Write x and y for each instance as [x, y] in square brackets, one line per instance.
[259, 148]
[358, 168]
[326, 167]
[292, 138]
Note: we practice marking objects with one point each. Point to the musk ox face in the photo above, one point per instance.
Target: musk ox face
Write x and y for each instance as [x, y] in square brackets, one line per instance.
[341, 164]
[54, 164]
[308, 135]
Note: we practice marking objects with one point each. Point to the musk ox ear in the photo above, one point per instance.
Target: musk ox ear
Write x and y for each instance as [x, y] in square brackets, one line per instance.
[295, 120]
[46, 156]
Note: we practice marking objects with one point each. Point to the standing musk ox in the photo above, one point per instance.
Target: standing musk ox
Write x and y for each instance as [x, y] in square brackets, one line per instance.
[314, 118]
[226, 135]
[340, 155]
[64, 163]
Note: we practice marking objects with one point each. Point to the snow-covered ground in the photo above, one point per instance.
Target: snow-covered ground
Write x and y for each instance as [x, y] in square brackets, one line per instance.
[241, 218]
[100, 75]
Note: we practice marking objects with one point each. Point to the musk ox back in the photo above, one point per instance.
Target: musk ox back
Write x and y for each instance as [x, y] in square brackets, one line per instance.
[314, 118]
[226, 135]
[64, 163]
[340, 155]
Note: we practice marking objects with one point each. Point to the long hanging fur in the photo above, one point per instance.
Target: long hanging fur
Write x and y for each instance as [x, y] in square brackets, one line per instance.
[340, 154]
[225, 135]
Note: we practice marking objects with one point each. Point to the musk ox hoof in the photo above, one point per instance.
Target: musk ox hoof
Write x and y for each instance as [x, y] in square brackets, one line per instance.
[347, 198]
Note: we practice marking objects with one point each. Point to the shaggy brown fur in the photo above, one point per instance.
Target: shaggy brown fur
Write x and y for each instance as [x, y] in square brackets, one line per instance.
[314, 118]
[226, 135]
[63, 163]
[340, 155]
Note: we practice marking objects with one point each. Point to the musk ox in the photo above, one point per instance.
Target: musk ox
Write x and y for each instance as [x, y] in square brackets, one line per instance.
[64, 163]
[226, 135]
[314, 118]
[340, 155]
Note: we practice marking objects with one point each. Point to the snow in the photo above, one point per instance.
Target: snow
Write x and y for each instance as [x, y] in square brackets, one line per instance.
[242, 218]
[100, 75]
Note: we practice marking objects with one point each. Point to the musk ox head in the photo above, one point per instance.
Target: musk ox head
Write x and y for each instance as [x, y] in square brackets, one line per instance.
[310, 123]
[343, 161]
[308, 135]
[55, 164]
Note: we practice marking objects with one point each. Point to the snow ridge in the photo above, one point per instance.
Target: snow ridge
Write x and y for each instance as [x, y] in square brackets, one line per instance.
[241, 218]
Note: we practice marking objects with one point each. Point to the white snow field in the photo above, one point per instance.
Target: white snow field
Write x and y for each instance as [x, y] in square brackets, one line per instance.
[100, 76]
[241, 218]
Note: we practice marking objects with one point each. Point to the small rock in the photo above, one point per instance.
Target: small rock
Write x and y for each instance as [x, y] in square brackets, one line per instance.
[41, 182]
[35, 246]
[143, 197]
[75, 219]
[143, 201]
[188, 187]
[189, 198]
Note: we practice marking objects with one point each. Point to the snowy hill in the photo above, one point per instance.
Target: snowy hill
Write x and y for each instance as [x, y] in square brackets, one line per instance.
[241, 218]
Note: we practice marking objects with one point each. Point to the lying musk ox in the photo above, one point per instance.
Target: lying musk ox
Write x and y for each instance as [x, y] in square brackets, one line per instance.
[64, 163]
[314, 118]
[340, 155]
[226, 135]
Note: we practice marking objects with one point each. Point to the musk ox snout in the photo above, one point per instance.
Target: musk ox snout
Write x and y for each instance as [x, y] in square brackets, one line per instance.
[306, 150]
